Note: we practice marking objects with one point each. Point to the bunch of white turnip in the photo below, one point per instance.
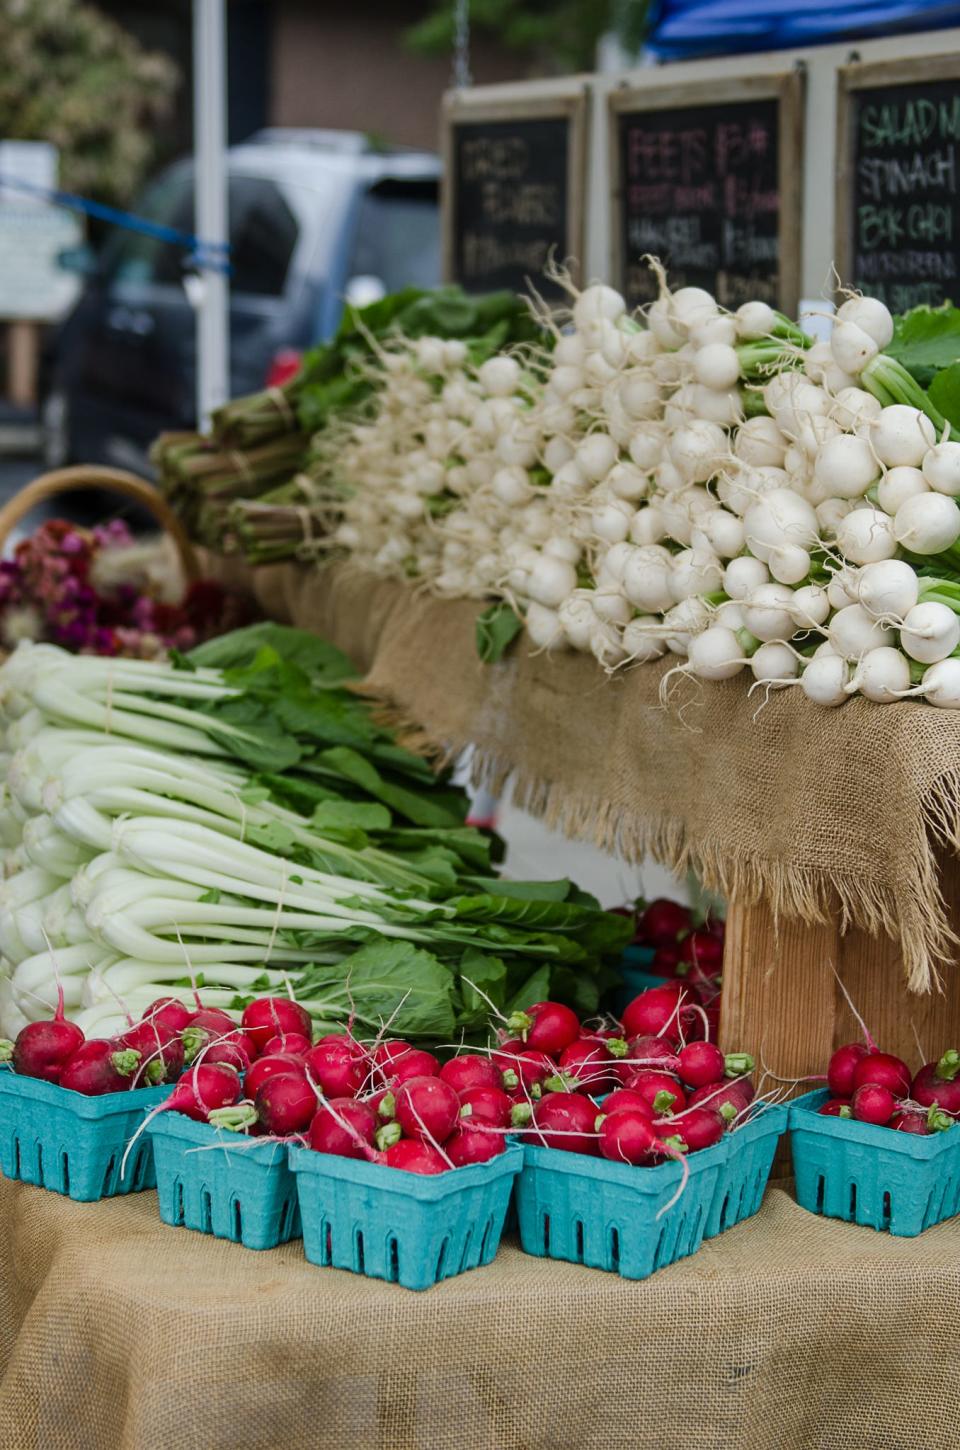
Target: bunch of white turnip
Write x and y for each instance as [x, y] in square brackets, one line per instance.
[692, 482]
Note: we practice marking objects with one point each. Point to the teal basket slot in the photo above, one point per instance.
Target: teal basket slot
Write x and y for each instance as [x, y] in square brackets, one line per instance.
[590, 1211]
[750, 1153]
[223, 1183]
[408, 1228]
[900, 1183]
[73, 1144]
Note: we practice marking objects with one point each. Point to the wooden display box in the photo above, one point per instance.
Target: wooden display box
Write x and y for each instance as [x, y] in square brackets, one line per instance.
[782, 1001]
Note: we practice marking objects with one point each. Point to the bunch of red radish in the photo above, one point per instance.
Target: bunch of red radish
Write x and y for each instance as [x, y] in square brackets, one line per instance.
[650, 1089]
[875, 1087]
[148, 1053]
[681, 948]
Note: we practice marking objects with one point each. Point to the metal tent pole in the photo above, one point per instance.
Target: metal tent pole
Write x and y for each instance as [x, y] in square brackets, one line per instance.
[210, 128]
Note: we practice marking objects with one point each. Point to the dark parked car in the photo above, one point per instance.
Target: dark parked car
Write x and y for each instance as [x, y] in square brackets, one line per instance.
[315, 216]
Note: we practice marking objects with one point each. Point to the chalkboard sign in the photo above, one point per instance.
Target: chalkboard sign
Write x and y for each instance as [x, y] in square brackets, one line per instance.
[898, 180]
[707, 178]
[513, 189]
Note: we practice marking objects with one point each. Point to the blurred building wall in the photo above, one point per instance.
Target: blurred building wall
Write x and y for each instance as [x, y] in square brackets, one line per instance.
[342, 64]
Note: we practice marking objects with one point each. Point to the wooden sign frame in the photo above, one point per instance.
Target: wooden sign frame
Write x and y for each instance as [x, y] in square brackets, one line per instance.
[786, 87]
[856, 77]
[469, 108]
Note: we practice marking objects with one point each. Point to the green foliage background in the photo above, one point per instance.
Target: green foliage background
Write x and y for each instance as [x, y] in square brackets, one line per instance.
[70, 75]
[557, 35]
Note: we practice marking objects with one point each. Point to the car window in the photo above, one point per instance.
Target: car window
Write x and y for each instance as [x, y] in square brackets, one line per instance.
[263, 235]
[398, 235]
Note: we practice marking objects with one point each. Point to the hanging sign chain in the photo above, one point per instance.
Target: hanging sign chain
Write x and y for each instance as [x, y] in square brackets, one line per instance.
[461, 44]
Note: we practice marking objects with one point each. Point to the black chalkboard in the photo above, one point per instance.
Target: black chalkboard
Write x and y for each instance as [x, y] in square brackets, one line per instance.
[509, 203]
[701, 187]
[901, 201]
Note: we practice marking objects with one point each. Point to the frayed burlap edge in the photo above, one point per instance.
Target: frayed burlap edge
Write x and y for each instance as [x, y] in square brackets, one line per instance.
[372, 618]
[914, 913]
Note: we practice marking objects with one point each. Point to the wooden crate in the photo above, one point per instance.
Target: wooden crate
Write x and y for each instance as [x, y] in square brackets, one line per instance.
[781, 998]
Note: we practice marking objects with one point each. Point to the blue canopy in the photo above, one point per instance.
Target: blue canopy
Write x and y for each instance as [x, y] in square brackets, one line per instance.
[684, 29]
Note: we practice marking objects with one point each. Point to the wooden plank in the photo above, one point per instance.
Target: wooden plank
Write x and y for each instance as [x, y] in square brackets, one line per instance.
[23, 361]
[782, 1001]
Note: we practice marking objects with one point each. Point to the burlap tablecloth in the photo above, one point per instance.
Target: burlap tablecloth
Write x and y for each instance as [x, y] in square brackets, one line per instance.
[788, 1332]
[818, 812]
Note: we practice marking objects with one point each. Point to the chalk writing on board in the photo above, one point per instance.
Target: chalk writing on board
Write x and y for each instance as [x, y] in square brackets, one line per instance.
[905, 193]
[510, 200]
[700, 188]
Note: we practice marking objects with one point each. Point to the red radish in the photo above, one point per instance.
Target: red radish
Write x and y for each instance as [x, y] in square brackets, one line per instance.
[270, 1065]
[471, 1071]
[214, 1019]
[473, 1145]
[414, 1063]
[427, 1108]
[100, 1066]
[881, 1069]
[588, 1065]
[660, 1089]
[385, 1052]
[384, 1104]
[295, 1044]
[908, 1122]
[42, 1048]
[841, 1067]
[936, 1084]
[664, 922]
[203, 1088]
[729, 1099]
[625, 1098]
[160, 1049]
[347, 1042]
[168, 1012]
[522, 1068]
[628, 1136]
[836, 1108]
[269, 1017]
[336, 1069]
[873, 1103]
[201, 1036]
[665, 962]
[567, 1121]
[487, 1105]
[546, 1027]
[285, 1105]
[693, 1130]
[660, 1012]
[415, 1157]
[645, 1051]
[702, 1063]
[236, 1051]
[704, 951]
[344, 1127]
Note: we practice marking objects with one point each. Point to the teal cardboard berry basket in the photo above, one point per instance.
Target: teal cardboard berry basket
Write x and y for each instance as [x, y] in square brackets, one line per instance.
[72, 1144]
[750, 1153]
[408, 1228]
[613, 1216]
[223, 1183]
[590, 1211]
[899, 1183]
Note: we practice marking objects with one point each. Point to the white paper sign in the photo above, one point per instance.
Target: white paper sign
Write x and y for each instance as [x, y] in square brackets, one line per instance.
[33, 233]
